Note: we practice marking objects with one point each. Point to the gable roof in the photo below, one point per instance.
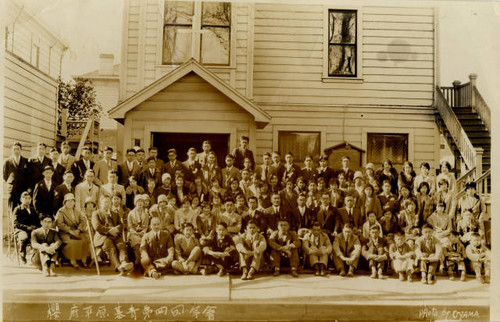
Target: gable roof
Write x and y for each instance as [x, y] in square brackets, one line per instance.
[260, 116]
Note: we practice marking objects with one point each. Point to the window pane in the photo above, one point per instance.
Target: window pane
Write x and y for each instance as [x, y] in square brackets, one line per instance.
[179, 12]
[176, 44]
[299, 143]
[387, 146]
[342, 27]
[216, 14]
[342, 60]
[215, 45]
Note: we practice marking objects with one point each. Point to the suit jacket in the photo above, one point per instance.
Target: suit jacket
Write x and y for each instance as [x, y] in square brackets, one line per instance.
[319, 241]
[108, 190]
[184, 245]
[289, 200]
[59, 170]
[82, 191]
[16, 176]
[309, 174]
[239, 157]
[273, 217]
[355, 219]
[291, 174]
[146, 175]
[155, 248]
[228, 174]
[102, 222]
[224, 245]
[433, 249]
[24, 220]
[59, 192]
[101, 169]
[265, 176]
[276, 240]
[67, 162]
[38, 238]
[202, 158]
[349, 173]
[371, 249]
[211, 173]
[192, 170]
[329, 219]
[124, 173]
[246, 241]
[326, 173]
[167, 167]
[43, 198]
[280, 170]
[349, 248]
[36, 169]
[303, 221]
[259, 217]
[78, 168]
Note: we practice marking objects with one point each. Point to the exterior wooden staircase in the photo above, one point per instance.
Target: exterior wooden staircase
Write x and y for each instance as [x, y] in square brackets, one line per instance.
[464, 118]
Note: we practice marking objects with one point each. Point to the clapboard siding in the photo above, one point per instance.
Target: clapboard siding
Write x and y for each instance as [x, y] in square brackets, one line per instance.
[289, 56]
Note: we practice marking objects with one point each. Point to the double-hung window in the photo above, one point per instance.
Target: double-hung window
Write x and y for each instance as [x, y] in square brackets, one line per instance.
[342, 43]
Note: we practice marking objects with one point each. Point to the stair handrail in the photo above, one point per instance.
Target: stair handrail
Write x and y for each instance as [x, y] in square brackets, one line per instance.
[481, 184]
[456, 130]
[470, 175]
[480, 106]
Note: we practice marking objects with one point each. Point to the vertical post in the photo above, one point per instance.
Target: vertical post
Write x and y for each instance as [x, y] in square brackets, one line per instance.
[456, 94]
[473, 82]
[479, 162]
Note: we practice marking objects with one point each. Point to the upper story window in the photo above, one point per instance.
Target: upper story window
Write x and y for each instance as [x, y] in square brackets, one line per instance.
[197, 29]
[342, 43]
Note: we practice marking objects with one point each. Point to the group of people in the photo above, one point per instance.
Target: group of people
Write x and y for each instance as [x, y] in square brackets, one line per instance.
[194, 217]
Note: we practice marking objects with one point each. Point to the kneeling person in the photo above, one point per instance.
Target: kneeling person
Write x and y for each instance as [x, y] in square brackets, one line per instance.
[45, 241]
[318, 247]
[187, 251]
[220, 249]
[284, 243]
[157, 250]
[346, 250]
[250, 246]
[375, 252]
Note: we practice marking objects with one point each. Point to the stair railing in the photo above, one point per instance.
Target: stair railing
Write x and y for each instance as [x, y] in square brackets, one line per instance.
[483, 188]
[456, 130]
[469, 176]
[480, 106]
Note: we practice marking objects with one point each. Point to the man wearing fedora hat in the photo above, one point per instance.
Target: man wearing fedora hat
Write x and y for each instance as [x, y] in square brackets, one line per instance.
[43, 194]
[64, 188]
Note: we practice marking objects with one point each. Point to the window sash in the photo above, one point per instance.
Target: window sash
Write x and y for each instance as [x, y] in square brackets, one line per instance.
[347, 45]
[300, 144]
[382, 146]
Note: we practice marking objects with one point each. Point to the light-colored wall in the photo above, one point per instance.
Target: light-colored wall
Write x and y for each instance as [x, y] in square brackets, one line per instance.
[107, 91]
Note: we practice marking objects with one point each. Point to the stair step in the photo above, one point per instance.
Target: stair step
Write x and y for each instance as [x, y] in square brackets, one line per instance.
[481, 134]
[475, 122]
[463, 110]
[479, 140]
[474, 127]
[468, 116]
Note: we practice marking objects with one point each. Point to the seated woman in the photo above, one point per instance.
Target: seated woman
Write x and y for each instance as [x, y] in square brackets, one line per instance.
[441, 223]
[137, 224]
[132, 190]
[187, 251]
[409, 221]
[72, 227]
[425, 201]
[205, 224]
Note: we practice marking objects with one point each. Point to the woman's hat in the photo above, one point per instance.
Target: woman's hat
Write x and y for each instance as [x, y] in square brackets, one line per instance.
[68, 196]
[89, 200]
[470, 185]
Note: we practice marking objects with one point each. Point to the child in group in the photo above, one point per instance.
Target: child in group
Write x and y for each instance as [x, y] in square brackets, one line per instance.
[466, 226]
[220, 250]
[371, 221]
[402, 256]
[187, 251]
[375, 252]
[428, 252]
[454, 254]
[479, 256]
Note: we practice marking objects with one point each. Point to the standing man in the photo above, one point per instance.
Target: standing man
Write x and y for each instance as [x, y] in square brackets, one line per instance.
[141, 158]
[202, 157]
[38, 163]
[16, 174]
[151, 172]
[192, 166]
[324, 171]
[153, 152]
[128, 168]
[173, 164]
[85, 190]
[80, 167]
[59, 170]
[112, 187]
[63, 189]
[308, 171]
[43, 195]
[242, 152]
[278, 165]
[348, 172]
[230, 172]
[102, 167]
[66, 159]
[266, 170]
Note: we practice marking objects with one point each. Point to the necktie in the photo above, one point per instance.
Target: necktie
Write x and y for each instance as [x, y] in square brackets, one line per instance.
[265, 172]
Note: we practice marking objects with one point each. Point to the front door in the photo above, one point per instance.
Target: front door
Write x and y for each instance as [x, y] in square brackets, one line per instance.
[183, 141]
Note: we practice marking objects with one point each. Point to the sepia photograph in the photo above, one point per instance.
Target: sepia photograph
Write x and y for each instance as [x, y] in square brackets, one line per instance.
[249, 160]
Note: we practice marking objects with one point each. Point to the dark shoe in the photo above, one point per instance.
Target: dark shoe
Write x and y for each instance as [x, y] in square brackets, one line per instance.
[294, 273]
[276, 272]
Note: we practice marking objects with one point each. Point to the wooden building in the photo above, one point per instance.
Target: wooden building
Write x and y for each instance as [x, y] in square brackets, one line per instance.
[293, 77]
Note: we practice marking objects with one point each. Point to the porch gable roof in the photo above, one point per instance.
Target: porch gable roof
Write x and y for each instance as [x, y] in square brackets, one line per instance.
[260, 116]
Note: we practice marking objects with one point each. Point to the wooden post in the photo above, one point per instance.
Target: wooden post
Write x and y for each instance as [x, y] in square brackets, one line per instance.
[479, 162]
[473, 82]
[456, 94]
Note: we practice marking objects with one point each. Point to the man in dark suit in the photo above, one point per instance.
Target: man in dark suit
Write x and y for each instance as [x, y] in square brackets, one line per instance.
[45, 241]
[278, 165]
[350, 214]
[59, 170]
[43, 195]
[256, 215]
[80, 167]
[284, 243]
[328, 216]
[25, 221]
[108, 235]
[324, 171]
[16, 174]
[292, 171]
[193, 167]
[220, 251]
[173, 164]
[308, 171]
[229, 172]
[157, 250]
[303, 215]
[65, 158]
[242, 152]
[266, 170]
[63, 189]
[128, 168]
[153, 152]
[38, 163]
[141, 158]
[348, 172]
[277, 212]
[150, 173]
[346, 251]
